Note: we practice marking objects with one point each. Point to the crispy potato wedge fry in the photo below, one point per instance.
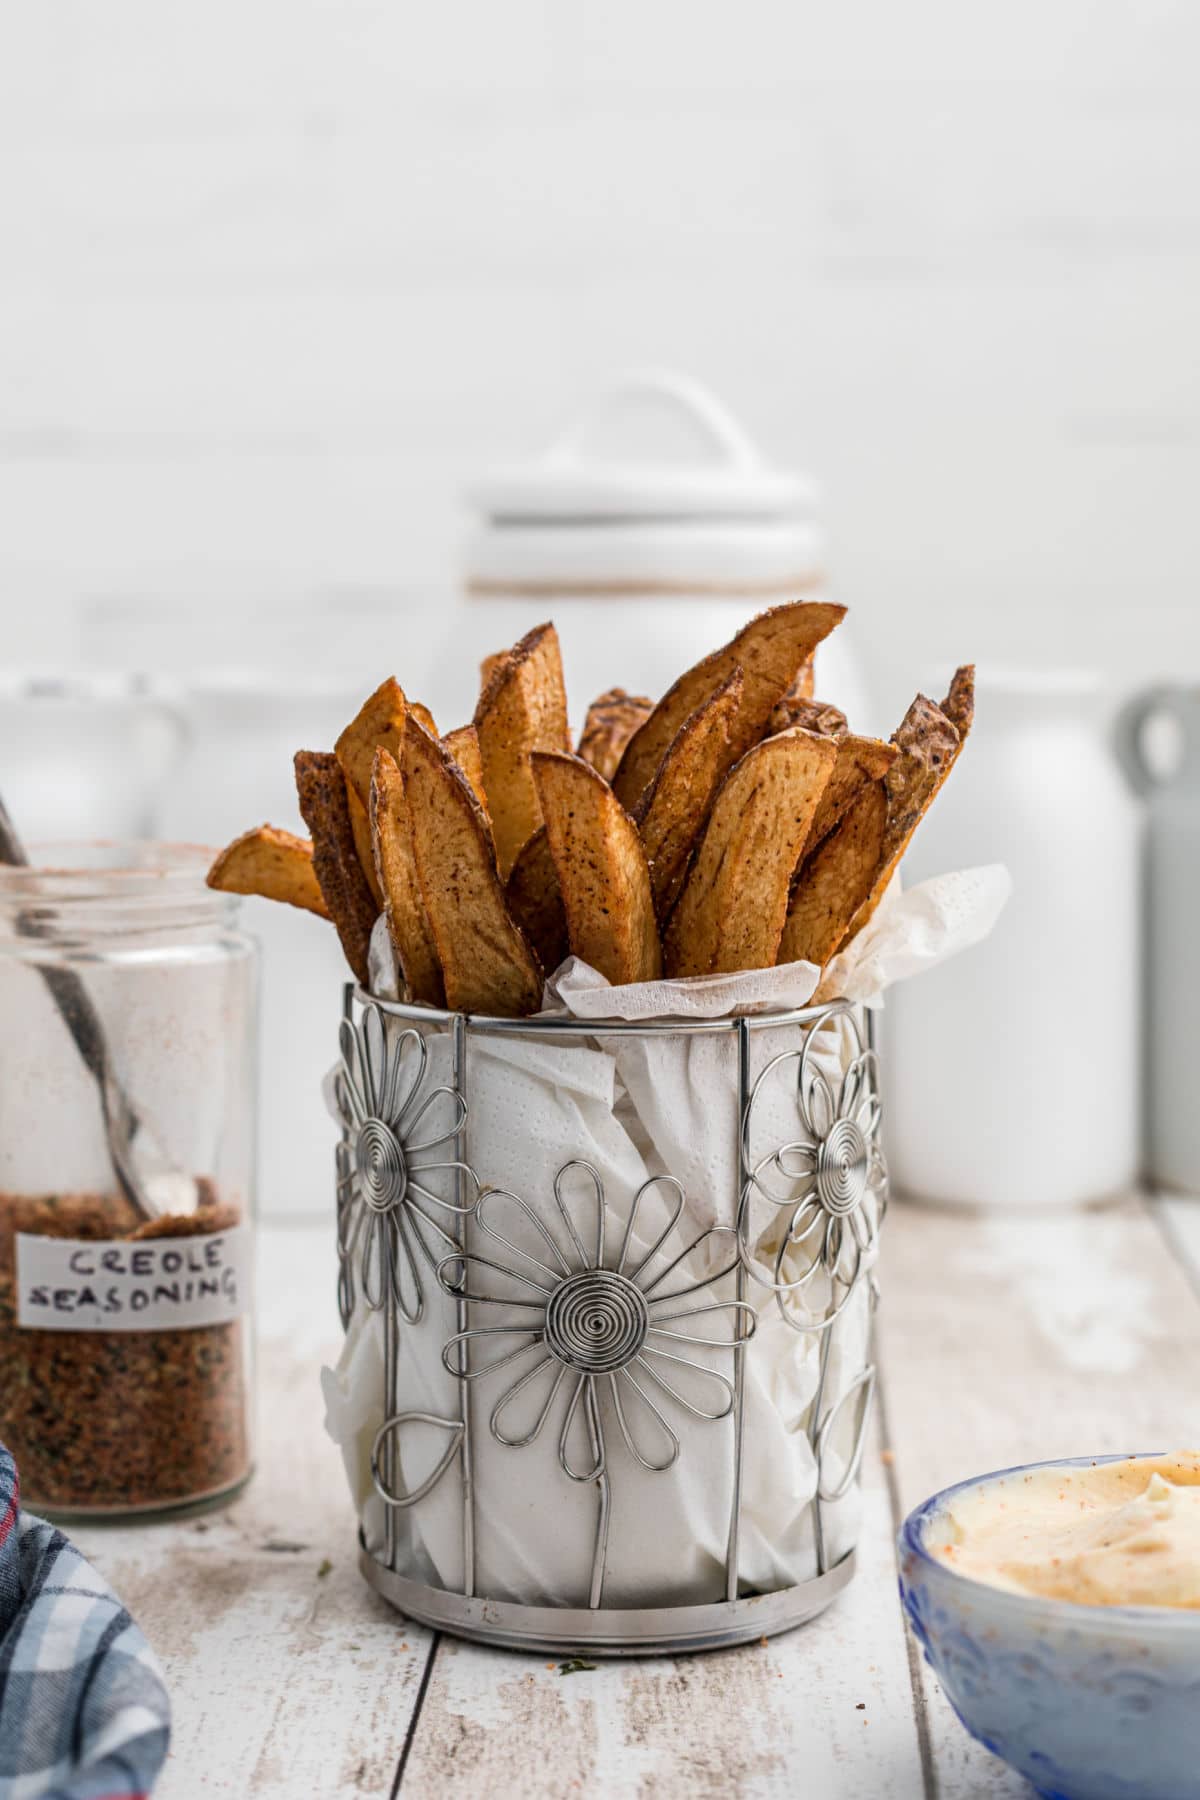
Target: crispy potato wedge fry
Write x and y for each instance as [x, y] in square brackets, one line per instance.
[272, 863]
[379, 720]
[321, 789]
[810, 715]
[672, 811]
[602, 872]
[463, 746]
[488, 667]
[611, 721]
[396, 867]
[835, 880]
[804, 685]
[927, 745]
[959, 704]
[769, 651]
[731, 912]
[859, 760]
[487, 964]
[423, 714]
[522, 709]
[535, 901]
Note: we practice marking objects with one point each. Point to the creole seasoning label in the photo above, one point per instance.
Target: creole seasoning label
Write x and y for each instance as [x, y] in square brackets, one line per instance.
[152, 1284]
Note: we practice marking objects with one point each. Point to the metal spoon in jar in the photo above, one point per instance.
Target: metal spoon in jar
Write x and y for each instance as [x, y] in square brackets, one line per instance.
[141, 1168]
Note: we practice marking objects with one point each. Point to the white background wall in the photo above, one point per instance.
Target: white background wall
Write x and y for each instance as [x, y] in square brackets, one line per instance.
[274, 276]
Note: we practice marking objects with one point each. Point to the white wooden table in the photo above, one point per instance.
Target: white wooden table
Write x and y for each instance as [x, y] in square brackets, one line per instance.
[1001, 1340]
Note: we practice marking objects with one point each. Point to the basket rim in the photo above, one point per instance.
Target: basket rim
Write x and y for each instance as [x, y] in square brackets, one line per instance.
[542, 1025]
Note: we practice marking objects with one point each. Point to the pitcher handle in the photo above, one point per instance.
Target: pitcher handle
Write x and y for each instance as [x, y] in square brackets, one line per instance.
[1127, 735]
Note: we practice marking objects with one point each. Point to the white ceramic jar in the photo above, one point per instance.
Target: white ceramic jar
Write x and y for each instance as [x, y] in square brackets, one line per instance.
[1172, 943]
[646, 557]
[1011, 1074]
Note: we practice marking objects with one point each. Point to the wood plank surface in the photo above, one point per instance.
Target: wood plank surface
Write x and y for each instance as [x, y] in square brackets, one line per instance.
[823, 1711]
[1005, 1339]
[287, 1677]
[1002, 1339]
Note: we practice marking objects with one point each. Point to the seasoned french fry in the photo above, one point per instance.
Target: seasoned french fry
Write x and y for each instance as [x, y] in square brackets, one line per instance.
[672, 811]
[731, 912]
[602, 872]
[535, 902]
[487, 965]
[810, 715]
[463, 746]
[488, 667]
[834, 880]
[522, 709]
[321, 788]
[396, 867]
[859, 760]
[378, 721]
[927, 745]
[611, 721]
[769, 651]
[272, 863]
[959, 704]
[424, 716]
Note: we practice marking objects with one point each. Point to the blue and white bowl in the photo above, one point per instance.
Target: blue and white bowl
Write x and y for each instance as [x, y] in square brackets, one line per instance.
[1087, 1702]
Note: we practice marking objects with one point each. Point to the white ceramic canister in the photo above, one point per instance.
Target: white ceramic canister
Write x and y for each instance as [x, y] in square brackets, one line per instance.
[1172, 941]
[646, 556]
[1011, 1075]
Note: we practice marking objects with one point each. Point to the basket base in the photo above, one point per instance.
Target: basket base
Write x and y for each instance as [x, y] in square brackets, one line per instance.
[608, 1631]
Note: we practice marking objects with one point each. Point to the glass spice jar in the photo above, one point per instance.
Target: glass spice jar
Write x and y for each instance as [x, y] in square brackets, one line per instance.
[127, 1104]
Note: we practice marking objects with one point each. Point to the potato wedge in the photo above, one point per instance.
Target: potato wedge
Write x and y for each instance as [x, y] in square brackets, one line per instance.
[379, 720]
[859, 760]
[321, 788]
[396, 868]
[487, 964]
[611, 721]
[488, 667]
[835, 880]
[272, 863]
[463, 746]
[602, 871]
[424, 716]
[810, 715]
[959, 704]
[535, 901]
[927, 745]
[672, 811]
[731, 912]
[522, 709]
[769, 651]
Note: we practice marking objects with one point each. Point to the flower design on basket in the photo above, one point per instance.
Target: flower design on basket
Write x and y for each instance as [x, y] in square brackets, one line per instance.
[597, 1324]
[393, 1141]
[833, 1181]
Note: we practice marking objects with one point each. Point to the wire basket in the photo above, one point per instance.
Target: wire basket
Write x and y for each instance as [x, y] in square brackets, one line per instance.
[637, 1358]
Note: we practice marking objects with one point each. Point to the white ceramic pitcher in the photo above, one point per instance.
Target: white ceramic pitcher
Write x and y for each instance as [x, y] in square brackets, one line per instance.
[1172, 942]
[1012, 1073]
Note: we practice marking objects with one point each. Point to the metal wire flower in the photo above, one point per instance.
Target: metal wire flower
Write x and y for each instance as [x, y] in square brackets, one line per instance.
[833, 1181]
[596, 1323]
[390, 1140]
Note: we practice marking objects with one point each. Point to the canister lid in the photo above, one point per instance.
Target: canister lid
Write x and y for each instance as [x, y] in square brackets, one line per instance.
[600, 504]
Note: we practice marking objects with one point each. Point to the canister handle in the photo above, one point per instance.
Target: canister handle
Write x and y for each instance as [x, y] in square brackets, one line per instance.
[700, 408]
[1127, 735]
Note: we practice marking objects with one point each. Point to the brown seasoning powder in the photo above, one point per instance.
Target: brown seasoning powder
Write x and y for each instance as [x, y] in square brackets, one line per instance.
[109, 1420]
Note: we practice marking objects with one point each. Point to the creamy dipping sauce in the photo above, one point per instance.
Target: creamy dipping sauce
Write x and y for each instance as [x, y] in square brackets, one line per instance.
[1112, 1534]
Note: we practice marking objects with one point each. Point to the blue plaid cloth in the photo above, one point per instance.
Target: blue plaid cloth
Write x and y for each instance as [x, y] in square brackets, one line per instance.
[83, 1710]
